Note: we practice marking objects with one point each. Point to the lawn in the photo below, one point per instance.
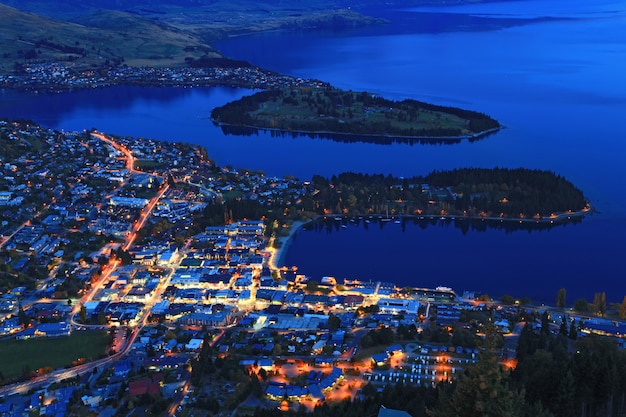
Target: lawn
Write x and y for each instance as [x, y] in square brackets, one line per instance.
[16, 355]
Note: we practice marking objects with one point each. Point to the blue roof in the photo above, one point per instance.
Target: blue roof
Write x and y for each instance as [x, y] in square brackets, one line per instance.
[380, 357]
[389, 412]
[275, 390]
[395, 348]
[316, 392]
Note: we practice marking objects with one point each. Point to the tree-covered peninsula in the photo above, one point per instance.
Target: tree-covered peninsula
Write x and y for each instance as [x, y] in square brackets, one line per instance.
[503, 194]
[475, 192]
[323, 109]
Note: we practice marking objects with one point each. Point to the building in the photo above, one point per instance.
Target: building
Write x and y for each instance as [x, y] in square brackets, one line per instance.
[390, 412]
[398, 306]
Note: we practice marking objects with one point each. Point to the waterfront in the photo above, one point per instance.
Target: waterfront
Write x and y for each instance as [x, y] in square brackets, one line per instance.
[465, 255]
[555, 83]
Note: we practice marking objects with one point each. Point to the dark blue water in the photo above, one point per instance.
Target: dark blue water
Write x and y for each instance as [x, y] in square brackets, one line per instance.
[522, 263]
[550, 71]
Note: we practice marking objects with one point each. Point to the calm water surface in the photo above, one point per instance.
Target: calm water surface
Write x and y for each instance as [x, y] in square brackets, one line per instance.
[550, 71]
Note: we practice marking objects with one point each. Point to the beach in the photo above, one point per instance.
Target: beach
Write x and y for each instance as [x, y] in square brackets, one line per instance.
[278, 257]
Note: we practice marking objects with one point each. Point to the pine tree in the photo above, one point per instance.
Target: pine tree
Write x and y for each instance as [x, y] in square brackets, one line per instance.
[563, 328]
[563, 403]
[23, 317]
[482, 390]
[599, 303]
[560, 298]
[83, 314]
[573, 330]
[622, 309]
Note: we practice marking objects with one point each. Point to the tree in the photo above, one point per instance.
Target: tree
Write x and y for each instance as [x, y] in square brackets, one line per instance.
[507, 299]
[83, 314]
[560, 298]
[573, 331]
[312, 286]
[102, 318]
[622, 309]
[564, 400]
[334, 322]
[599, 303]
[23, 317]
[563, 329]
[581, 305]
[545, 323]
[482, 390]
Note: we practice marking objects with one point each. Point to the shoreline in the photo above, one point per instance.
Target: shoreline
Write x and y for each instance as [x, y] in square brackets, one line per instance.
[279, 253]
[321, 133]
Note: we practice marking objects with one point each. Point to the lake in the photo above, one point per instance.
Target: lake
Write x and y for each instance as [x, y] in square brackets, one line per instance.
[551, 72]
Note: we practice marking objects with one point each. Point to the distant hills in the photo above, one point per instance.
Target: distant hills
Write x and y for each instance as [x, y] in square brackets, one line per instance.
[102, 38]
[100, 33]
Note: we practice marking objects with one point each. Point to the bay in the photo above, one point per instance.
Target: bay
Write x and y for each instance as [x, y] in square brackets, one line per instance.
[551, 72]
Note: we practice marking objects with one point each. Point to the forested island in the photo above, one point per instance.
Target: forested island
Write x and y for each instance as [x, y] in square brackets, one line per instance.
[327, 109]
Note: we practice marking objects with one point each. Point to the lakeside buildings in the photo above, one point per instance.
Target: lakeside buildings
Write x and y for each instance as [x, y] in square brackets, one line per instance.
[72, 212]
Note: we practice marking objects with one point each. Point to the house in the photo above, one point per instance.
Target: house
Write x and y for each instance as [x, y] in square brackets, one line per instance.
[194, 344]
[393, 349]
[122, 368]
[380, 359]
[150, 386]
[91, 401]
[502, 325]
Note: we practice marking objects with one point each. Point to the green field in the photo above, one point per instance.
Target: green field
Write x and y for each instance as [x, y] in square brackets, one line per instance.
[16, 355]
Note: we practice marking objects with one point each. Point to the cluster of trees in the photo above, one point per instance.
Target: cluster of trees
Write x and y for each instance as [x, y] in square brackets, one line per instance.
[9, 278]
[207, 61]
[208, 366]
[12, 149]
[476, 190]
[47, 43]
[381, 336]
[554, 377]
[333, 110]
[598, 306]
[510, 191]
[585, 378]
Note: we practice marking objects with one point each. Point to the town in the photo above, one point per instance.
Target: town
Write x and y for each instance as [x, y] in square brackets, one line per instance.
[56, 76]
[109, 242]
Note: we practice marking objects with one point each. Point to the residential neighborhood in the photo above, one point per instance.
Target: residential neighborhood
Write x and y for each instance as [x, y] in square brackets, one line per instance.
[56, 76]
[109, 236]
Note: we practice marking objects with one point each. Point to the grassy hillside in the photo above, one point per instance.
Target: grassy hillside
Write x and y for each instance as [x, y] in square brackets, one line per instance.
[106, 36]
[209, 19]
[354, 113]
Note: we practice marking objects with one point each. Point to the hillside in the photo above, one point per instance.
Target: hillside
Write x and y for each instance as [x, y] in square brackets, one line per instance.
[106, 36]
[359, 115]
[209, 19]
